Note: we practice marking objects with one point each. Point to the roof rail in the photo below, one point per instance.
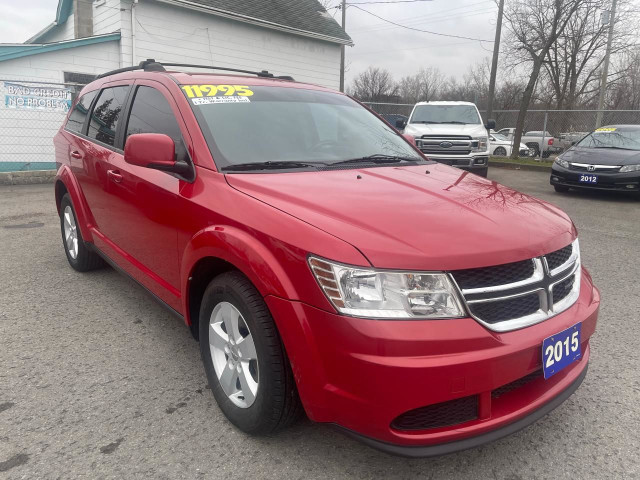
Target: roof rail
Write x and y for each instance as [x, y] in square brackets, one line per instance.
[150, 65]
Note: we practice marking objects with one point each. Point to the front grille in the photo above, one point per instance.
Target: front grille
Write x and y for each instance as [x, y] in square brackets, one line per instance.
[596, 168]
[445, 145]
[445, 414]
[509, 309]
[515, 295]
[559, 257]
[498, 275]
[516, 384]
[562, 289]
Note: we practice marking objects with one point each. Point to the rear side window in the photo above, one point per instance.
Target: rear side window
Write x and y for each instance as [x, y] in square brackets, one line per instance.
[151, 113]
[79, 112]
[106, 114]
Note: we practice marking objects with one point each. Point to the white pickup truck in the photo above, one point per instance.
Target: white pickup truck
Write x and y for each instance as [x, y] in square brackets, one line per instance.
[535, 140]
[451, 133]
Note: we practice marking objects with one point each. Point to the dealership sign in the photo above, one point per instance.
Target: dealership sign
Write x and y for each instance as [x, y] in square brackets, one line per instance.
[37, 98]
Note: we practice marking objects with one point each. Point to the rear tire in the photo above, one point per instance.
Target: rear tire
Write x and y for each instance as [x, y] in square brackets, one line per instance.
[561, 188]
[262, 396]
[534, 148]
[79, 256]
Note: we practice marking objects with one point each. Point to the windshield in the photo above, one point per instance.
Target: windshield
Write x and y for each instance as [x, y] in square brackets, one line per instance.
[461, 114]
[499, 137]
[272, 125]
[612, 137]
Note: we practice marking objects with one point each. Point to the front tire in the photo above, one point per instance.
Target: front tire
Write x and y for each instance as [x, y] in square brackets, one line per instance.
[243, 356]
[500, 152]
[79, 256]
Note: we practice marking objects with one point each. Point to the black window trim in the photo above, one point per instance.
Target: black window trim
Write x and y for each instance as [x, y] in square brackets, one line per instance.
[122, 132]
[85, 125]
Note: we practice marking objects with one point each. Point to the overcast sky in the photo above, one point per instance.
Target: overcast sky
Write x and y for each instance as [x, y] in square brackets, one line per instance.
[376, 43]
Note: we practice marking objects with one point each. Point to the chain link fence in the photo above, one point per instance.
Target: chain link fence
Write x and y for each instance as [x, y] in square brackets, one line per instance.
[30, 115]
[565, 126]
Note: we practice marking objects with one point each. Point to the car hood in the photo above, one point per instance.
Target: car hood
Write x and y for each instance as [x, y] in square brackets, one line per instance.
[419, 129]
[602, 156]
[428, 217]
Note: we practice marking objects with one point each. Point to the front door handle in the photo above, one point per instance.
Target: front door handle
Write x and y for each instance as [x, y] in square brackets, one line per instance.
[114, 175]
[76, 154]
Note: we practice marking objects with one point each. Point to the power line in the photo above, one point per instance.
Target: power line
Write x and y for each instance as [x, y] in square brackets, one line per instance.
[420, 30]
[420, 18]
[432, 19]
[388, 1]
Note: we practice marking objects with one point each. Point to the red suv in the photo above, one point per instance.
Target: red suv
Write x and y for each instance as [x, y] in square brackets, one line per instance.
[323, 262]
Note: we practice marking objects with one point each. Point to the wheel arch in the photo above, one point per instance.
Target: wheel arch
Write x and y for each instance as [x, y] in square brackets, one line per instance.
[218, 249]
[66, 182]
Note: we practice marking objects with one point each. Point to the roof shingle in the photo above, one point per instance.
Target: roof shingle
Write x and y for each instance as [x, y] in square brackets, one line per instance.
[305, 15]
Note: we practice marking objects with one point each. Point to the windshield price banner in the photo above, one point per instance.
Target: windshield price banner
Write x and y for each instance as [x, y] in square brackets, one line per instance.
[206, 94]
[37, 98]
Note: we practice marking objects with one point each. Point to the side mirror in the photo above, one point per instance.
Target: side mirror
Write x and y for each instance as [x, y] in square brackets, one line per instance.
[154, 150]
[573, 143]
[401, 123]
[490, 125]
[409, 138]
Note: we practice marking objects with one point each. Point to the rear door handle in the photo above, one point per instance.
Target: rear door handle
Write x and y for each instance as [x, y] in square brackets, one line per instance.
[76, 154]
[114, 175]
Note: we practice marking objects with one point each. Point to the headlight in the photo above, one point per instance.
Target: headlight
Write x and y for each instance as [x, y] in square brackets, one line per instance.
[562, 162]
[630, 168]
[365, 292]
[479, 144]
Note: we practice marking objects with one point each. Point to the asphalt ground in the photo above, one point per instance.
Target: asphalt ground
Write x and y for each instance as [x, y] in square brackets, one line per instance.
[99, 381]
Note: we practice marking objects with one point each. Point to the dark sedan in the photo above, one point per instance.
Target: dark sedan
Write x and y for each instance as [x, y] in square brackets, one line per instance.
[606, 159]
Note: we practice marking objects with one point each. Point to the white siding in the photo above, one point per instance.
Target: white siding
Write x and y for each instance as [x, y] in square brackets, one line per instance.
[106, 16]
[180, 35]
[59, 32]
[26, 136]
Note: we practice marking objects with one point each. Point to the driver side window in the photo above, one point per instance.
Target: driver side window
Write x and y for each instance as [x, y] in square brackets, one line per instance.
[151, 113]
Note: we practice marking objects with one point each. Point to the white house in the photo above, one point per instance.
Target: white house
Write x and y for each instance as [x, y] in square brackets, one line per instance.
[88, 37]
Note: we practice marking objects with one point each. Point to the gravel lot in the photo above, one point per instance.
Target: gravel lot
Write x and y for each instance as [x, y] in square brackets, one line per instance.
[98, 381]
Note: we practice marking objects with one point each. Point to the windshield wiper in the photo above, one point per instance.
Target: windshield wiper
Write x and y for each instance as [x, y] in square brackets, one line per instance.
[457, 123]
[269, 165]
[617, 148]
[378, 158]
[424, 121]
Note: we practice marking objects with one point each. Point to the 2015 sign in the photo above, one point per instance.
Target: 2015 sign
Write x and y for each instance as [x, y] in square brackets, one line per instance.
[197, 91]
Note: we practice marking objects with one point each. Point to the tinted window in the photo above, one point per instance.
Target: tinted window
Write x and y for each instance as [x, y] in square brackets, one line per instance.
[106, 113]
[79, 112]
[151, 113]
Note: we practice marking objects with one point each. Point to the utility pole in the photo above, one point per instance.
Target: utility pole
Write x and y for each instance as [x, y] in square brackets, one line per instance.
[344, 18]
[605, 67]
[494, 63]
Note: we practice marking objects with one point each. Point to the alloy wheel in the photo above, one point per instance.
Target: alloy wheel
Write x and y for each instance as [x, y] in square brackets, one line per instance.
[233, 353]
[70, 232]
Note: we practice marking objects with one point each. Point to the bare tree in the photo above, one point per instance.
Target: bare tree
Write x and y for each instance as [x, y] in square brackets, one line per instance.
[533, 27]
[422, 86]
[375, 85]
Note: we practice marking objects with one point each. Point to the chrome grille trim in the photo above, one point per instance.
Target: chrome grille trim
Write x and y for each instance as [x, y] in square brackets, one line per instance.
[583, 167]
[541, 282]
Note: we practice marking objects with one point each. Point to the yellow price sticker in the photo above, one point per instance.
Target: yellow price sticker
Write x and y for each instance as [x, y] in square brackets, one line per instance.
[198, 91]
[606, 129]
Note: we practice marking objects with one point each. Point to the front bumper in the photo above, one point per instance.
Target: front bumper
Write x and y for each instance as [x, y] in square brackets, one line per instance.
[625, 182]
[476, 164]
[362, 374]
